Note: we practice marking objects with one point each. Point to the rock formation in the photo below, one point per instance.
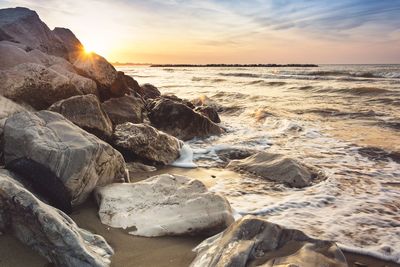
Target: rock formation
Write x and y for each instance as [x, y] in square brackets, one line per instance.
[163, 205]
[209, 112]
[147, 143]
[278, 168]
[78, 159]
[181, 121]
[149, 91]
[252, 241]
[47, 230]
[125, 109]
[86, 112]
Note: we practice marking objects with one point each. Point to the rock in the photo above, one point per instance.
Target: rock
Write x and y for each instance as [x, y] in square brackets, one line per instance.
[125, 109]
[228, 154]
[181, 121]
[97, 68]
[9, 107]
[252, 241]
[21, 25]
[13, 54]
[163, 205]
[78, 159]
[149, 91]
[133, 85]
[48, 230]
[179, 100]
[278, 168]
[86, 112]
[71, 43]
[119, 87]
[135, 167]
[146, 143]
[209, 112]
[35, 85]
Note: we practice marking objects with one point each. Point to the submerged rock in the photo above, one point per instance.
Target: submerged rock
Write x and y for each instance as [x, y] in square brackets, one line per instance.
[47, 230]
[86, 112]
[252, 241]
[181, 121]
[278, 168]
[78, 159]
[125, 109]
[163, 205]
[209, 112]
[135, 167]
[147, 143]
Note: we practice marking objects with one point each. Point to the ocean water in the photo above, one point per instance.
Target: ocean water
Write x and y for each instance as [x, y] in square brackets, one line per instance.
[343, 119]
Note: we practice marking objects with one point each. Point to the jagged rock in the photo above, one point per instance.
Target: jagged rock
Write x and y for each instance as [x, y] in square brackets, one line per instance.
[278, 168]
[181, 121]
[67, 153]
[163, 205]
[24, 26]
[48, 230]
[125, 109]
[252, 241]
[133, 85]
[147, 143]
[149, 91]
[209, 112]
[86, 112]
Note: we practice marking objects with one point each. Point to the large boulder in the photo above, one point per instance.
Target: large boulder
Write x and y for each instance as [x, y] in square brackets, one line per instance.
[278, 168]
[86, 112]
[133, 85]
[71, 43]
[35, 85]
[69, 161]
[163, 205]
[125, 109]
[252, 241]
[24, 26]
[47, 230]
[141, 141]
[109, 82]
[181, 121]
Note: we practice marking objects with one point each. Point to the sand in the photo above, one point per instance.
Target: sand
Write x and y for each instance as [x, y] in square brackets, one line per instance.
[140, 251]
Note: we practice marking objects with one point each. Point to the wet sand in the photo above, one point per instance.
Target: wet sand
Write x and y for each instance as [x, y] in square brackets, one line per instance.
[140, 251]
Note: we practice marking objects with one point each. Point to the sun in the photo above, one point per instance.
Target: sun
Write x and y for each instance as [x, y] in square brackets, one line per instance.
[88, 49]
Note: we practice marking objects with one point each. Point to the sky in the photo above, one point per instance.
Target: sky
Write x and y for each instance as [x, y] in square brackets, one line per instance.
[222, 31]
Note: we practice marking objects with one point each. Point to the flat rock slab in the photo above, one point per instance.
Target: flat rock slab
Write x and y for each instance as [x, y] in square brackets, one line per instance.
[47, 230]
[79, 160]
[163, 205]
[278, 168]
[252, 241]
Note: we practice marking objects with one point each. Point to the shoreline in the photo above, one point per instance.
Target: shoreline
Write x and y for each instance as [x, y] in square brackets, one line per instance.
[143, 251]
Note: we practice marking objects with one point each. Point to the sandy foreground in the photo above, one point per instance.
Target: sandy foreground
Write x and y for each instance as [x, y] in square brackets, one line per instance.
[140, 251]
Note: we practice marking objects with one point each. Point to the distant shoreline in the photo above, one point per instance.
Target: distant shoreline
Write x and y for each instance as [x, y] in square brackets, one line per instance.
[232, 65]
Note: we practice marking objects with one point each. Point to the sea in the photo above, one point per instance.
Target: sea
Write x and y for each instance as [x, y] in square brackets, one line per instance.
[342, 119]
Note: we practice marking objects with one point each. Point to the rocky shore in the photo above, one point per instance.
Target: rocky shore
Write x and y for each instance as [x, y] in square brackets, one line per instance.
[84, 155]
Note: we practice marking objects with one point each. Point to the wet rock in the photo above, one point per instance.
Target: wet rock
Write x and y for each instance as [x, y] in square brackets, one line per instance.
[146, 143]
[376, 153]
[179, 100]
[35, 85]
[163, 205]
[149, 91]
[78, 159]
[135, 167]
[278, 168]
[181, 121]
[209, 112]
[252, 241]
[21, 25]
[228, 154]
[47, 230]
[125, 109]
[86, 112]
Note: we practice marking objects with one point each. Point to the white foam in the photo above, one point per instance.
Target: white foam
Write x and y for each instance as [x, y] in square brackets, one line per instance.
[186, 158]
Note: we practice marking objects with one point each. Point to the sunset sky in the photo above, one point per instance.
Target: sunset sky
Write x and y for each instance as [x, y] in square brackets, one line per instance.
[212, 31]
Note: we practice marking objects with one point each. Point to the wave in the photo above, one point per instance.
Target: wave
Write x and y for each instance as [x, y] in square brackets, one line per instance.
[360, 74]
[199, 79]
[240, 74]
[357, 91]
[266, 83]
